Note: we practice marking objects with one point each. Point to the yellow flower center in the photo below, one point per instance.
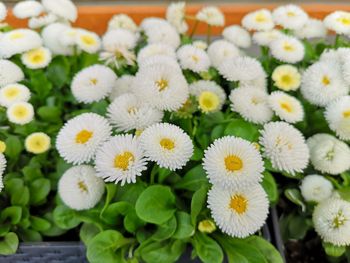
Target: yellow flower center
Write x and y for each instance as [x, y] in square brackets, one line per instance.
[16, 35]
[2, 147]
[208, 101]
[36, 56]
[288, 47]
[233, 163]
[286, 80]
[195, 58]
[260, 18]
[162, 84]
[88, 40]
[20, 111]
[286, 106]
[256, 146]
[37, 143]
[93, 81]
[83, 136]
[132, 110]
[83, 187]
[326, 81]
[11, 92]
[122, 161]
[238, 203]
[346, 114]
[290, 14]
[167, 144]
[345, 20]
[339, 220]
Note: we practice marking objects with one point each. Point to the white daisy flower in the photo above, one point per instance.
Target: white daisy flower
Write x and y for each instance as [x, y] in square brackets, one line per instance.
[175, 14]
[286, 77]
[20, 113]
[162, 32]
[338, 21]
[3, 11]
[290, 16]
[52, 35]
[88, 41]
[127, 112]
[322, 82]
[316, 188]
[337, 115]
[2, 170]
[237, 36]
[233, 162]
[79, 138]
[285, 146]
[13, 93]
[80, 188]
[193, 58]
[36, 58]
[122, 85]
[211, 15]
[314, 28]
[343, 55]
[167, 145]
[41, 21]
[37, 143]
[155, 50]
[9, 72]
[264, 38]
[328, 154]
[251, 104]
[286, 107]
[117, 38]
[220, 50]
[120, 159]
[26, 9]
[62, 8]
[161, 60]
[239, 212]
[200, 44]
[153, 22]
[259, 20]
[287, 49]
[93, 83]
[331, 219]
[122, 21]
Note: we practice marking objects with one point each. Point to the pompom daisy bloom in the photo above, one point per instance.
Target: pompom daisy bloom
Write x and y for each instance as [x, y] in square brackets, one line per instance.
[36, 58]
[314, 28]
[233, 162]
[328, 154]
[287, 49]
[122, 21]
[338, 117]
[331, 219]
[162, 32]
[20, 113]
[79, 138]
[80, 188]
[62, 8]
[128, 112]
[239, 212]
[37, 142]
[13, 93]
[26, 9]
[93, 83]
[211, 15]
[260, 20]
[220, 50]
[285, 146]
[9, 72]
[120, 159]
[119, 37]
[2, 169]
[264, 38]
[290, 16]
[175, 14]
[286, 77]
[316, 188]
[286, 107]
[338, 21]
[88, 41]
[251, 104]
[155, 50]
[122, 85]
[167, 145]
[210, 96]
[52, 35]
[193, 58]
[237, 36]
[42, 20]
[167, 61]
[200, 44]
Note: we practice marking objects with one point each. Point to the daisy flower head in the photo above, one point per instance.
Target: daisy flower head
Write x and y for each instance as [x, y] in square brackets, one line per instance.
[287, 49]
[286, 107]
[42, 20]
[211, 15]
[20, 113]
[93, 83]
[285, 146]
[286, 77]
[290, 16]
[120, 159]
[338, 21]
[52, 35]
[9, 72]
[264, 38]
[162, 32]
[117, 38]
[2, 170]
[80, 188]
[13, 93]
[259, 20]
[79, 138]
[200, 44]
[167, 145]
[36, 58]
[239, 211]
[337, 115]
[331, 219]
[328, 154]
[122, 21]
[316, 188]
[37, 143]
[251, 103]
[26, 9]
[238, 36]
[128, 112]
[161, 59]
[62, 8]
[152, 23]
[193, 58]
[88, 41]
[157, 49]
[122, 85]
[3, 11]
[314, 28]
[175, 14]
[220, 50]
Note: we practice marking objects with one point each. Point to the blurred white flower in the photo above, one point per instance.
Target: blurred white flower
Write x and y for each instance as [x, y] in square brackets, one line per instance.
[211, 15]
[286, 77]
[62, 8]
[314, 28]
[237, 36]
[316, 188]
[36, 58]
[264, 38]
[9, 72]
[26, 9]
[193, 58]
[52, 35]
[259, 20]
[220, 50]
[13, 93]
[290, 16]
[122, 21]
[20, 113]
[287, 49]
[337, 115]
[175, 14]
[339, 22]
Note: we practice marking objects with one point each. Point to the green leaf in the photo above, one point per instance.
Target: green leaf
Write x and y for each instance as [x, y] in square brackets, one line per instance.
[166, 230]
[132, 222]
[207, 249]
[39, 224]
[298, 227]
[18, 192]
[270, 187]
[50, 113]
[156, 204]
[113, 211]
[184, 228]
[242, 129]
[294, 196]
[65, 217]
[40, 84]
[266, 248]
[87, 232]
[332, 250]
[345, 193]
[130, 192]
[12, 214]
[39, 189]
[54, 230]
[32, 172]
[197, 203]
[217, 132]
[161, 252]
[29, 235]
[193, 179]
[13, 147]
[9, 244]
[58, 71]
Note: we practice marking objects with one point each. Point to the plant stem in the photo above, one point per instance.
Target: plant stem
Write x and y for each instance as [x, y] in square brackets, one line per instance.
[195, 26]
[208, 34]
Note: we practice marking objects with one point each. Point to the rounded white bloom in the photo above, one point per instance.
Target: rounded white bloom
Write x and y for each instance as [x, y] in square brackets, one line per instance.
[239, 212]
[2, 170]
[79, 138]
[286, 77]
[167, 145]
[193, 58]
[328, 154]
[339, 22]
[52, 35]
[69, 36]
[3, 11]
[200, 44]
[251, 104]
[314, 28]
[80, 188]
[9, 72]
[26, 9]
[264, 38]
[20, 113]
[157, 49]
[62, 8]
[316, 188]
[128, 112]
[88, 41]
[153, 23]
[331, 220]
[260, 20]
[120, 159]
[41, 21]
[13, 93]
[161, 60]
[93, 83]
[122, 85]
[322, 82]
[18, 41]
[220, 50]
[337, 115]
[285, 146]
[286, 107]
[287, 49]
[36, 58]
[37, 143]
[122, 21]
[175, 14]
[290, 16]
[237, 36]
[162, 32]
[119, 38]
[211, 15]
[233, 162]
